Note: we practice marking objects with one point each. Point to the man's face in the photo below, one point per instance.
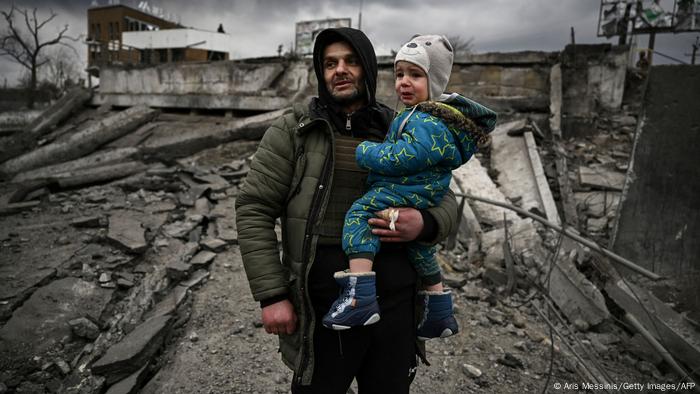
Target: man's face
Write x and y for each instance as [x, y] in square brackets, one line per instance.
[343, 74]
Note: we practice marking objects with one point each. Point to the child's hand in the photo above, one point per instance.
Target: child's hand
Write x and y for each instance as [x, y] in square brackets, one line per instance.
[408, 226]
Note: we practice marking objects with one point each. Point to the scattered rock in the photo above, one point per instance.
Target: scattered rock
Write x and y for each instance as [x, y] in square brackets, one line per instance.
[518, 320]
[182, 229]
[105, 277]
[202, 259]
[193, 337]
[129, 355]
[214, 244]
[196, 278]
[510, 360]
[495, 317]
[84, 328]
[127, 233]
[177, 270]
[471, 371]
[88, 222]
[454, 281]
[131, 384]
[124, 283]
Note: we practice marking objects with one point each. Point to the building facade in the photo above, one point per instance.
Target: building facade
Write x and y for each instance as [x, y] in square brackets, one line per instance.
[121, 35]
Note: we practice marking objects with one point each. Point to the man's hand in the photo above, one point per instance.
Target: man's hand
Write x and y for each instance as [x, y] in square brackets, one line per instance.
[279, 318]
[408, 226]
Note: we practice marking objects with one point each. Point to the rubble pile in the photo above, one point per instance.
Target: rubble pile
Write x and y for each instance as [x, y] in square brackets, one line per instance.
[110, 220]
[98, 264]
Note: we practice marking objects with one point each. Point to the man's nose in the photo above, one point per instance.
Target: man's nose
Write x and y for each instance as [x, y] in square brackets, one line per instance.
[341, 67]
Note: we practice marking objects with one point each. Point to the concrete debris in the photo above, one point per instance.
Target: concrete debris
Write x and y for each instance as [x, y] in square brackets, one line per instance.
[597, 177]
[84, 328]
[127, 233]
[474, 179]
[178, 270]
[50, 117]
[509, 156]
[169, 304]
[195, 279]
[202, 259]
[214, 244]
[89, 222]
[80, 143]
[59, 302]
[132, 352]
[471, 371]
[181, 229]
[131, 384]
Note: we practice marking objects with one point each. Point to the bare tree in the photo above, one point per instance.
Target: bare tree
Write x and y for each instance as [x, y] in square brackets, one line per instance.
[62, 69]
[461, 46]
[24, 45]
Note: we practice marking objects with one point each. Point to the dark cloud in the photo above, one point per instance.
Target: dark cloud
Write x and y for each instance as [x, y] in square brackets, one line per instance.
[258, 27]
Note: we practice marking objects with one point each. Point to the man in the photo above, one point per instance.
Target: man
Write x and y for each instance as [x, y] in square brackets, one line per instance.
[304, 173]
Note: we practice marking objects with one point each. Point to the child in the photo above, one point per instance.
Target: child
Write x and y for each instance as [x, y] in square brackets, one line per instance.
[433, 135]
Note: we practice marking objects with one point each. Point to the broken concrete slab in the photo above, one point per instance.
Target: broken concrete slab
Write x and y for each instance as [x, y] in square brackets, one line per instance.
[672, 330]
[600, 178]
[202, 259]
[225, 216]
[131, 384]
[473, 179]
[544, 193]
[101, 174]
[176, 141]
[41, 323]
[127, 232]
[134, 351]
[509, 156]
[178, 270]
[598, 203]
[169, 304]
[80, 143]
[181, 229]
[84, 328]
[195, 279]
[469, 232]
[49, 118]
[96, 159]
[12, 208]
[214, 244]
[89, 221]
[523, 236]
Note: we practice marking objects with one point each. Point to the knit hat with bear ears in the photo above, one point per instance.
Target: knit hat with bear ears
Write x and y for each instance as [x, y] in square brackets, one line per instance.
[434, 55]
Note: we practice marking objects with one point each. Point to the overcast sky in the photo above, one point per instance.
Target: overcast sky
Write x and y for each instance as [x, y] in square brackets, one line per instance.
[258, 27]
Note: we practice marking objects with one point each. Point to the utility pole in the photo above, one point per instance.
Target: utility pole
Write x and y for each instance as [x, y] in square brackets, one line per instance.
[359, 17]
[652, 42]
[696, 46]
[573, 36]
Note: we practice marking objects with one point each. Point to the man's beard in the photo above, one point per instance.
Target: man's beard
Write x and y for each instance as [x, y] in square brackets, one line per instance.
[357, 94]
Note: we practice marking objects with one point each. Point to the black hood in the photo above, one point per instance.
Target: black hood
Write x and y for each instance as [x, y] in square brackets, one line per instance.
[364, 49]
[371, 119]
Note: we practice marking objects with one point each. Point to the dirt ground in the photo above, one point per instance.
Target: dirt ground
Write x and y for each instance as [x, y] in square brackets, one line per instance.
[224, 349]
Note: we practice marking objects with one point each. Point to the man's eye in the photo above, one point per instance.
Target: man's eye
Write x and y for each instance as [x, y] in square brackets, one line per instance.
[399, 75]
[330, 64]
[352, 61]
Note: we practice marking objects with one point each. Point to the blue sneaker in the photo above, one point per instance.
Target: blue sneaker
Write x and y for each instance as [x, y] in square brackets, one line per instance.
[438, 319]
[357, 303]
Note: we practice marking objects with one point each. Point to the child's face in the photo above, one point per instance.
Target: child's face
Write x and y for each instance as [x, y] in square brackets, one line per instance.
[411, 83]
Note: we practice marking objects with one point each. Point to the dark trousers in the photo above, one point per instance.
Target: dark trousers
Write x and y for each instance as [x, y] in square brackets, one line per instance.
[382, 356]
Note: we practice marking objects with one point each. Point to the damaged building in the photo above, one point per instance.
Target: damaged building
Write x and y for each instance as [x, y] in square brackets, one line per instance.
[577, 242]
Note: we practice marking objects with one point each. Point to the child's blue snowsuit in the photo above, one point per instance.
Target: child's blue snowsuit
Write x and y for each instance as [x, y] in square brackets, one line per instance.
[413, 168]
